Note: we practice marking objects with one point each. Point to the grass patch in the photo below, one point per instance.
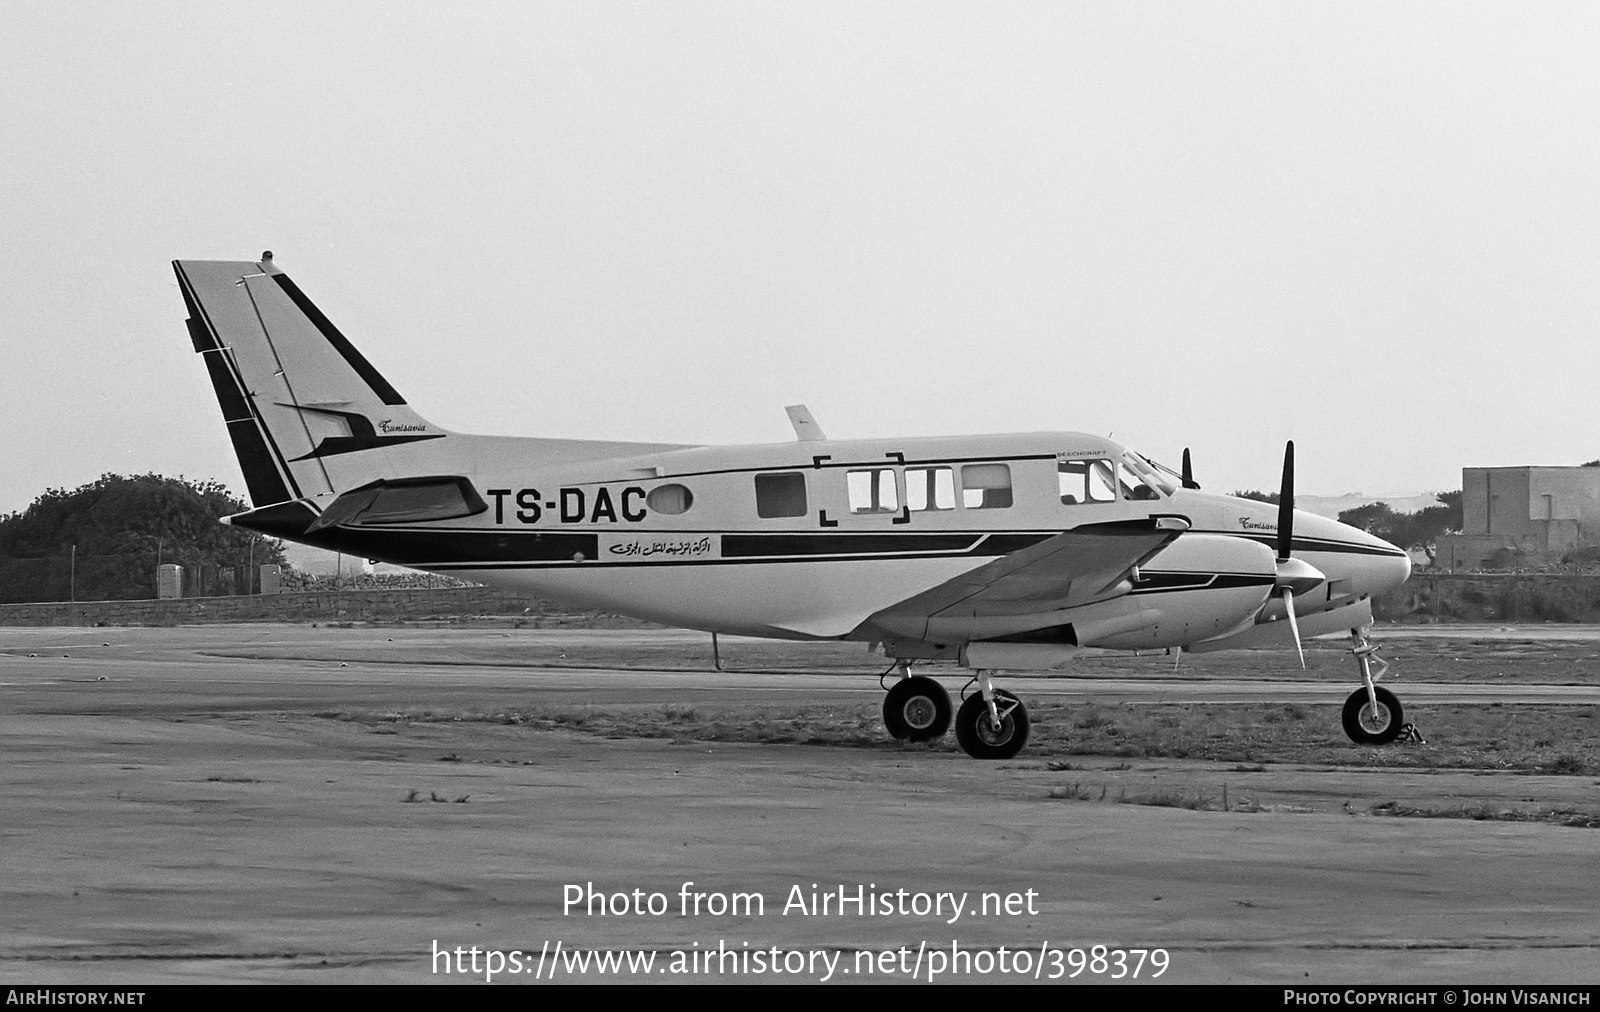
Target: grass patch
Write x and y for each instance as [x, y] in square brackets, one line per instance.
[1487, 812]
[1077, 792]
[1544, 739]
[414, 797]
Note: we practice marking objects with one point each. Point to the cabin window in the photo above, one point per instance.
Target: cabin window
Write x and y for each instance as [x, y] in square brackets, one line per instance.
[669, 500]
[873, 491]
[930, 488]
[1086, 481]
[781, 495]
[986, 486]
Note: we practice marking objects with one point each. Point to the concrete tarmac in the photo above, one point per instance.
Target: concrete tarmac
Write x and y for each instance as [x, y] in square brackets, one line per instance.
[186, 805]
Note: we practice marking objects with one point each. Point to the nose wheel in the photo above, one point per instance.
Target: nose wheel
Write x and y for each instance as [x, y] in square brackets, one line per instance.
[1372, 715]
[1372, 720]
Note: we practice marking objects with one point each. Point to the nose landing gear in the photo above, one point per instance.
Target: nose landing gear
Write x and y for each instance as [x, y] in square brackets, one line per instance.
[1372, 716]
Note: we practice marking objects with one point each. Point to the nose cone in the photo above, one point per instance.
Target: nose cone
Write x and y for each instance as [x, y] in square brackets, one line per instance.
[1369, 563]
[1385, 568]
[1397, 569]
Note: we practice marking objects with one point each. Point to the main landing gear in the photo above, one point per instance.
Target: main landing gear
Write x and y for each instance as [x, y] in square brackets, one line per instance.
[917, 708]
[991, 724]
[1372, 716]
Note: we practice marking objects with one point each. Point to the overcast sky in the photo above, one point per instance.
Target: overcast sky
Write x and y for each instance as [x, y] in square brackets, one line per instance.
[1371, 228]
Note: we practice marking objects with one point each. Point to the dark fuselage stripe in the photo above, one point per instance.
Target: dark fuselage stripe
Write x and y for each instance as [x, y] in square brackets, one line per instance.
[476, 549]
[1170, 583]
[1310, 544]
[458, 548]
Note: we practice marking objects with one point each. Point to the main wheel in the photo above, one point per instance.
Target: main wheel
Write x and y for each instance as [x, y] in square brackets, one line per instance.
[917, 709]
[978, 736]
[1367, 725]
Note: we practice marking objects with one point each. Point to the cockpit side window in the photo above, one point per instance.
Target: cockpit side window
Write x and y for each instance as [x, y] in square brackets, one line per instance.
[1086, 481]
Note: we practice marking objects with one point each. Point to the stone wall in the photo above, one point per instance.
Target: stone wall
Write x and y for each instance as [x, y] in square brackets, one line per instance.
[1492, 597]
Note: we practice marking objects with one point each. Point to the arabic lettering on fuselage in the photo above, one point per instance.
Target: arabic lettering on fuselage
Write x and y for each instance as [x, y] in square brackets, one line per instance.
[644, 549]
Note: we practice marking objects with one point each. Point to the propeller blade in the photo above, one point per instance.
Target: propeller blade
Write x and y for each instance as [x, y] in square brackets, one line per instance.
[1286, 503]
[1294, 625]
[1188, 471]
[1292, 573]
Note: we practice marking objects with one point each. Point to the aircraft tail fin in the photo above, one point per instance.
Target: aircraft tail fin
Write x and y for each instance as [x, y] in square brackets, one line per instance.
[307, 413]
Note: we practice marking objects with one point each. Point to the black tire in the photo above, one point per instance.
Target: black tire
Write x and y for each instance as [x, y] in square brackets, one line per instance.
[979, 739]
[1368, 727]
[917, 709]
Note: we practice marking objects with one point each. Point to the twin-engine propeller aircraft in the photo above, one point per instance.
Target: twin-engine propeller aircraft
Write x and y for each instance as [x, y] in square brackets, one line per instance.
[999, 552]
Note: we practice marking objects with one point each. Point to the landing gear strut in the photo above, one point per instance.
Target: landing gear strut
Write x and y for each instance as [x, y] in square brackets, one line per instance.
[1372, 716]
[917, 708]
[992, 723]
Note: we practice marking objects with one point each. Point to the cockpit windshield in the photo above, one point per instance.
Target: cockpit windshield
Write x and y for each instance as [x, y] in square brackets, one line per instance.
[1096, 479]
[1151, 473]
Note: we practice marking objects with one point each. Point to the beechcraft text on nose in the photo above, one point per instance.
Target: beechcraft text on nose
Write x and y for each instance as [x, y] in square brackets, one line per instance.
[857, 900]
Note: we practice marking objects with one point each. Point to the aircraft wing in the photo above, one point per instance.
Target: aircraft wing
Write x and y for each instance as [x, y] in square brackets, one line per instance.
[1076, 567]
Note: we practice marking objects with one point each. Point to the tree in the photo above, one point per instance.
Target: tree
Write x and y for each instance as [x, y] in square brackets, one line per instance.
[107, 537]
[1408, 530]
[1258, 496]
[1374, 518]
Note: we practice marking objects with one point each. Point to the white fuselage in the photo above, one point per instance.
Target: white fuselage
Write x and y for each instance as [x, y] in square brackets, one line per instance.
[816, 539]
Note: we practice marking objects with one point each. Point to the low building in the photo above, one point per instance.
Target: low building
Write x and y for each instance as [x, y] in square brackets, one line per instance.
[1514, 517]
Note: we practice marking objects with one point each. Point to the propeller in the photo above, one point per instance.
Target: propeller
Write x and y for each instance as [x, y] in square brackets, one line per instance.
[1295, 576]
[1188, 471]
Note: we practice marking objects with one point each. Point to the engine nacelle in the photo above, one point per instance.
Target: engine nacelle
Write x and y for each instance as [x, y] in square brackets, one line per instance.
[1199, 587]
